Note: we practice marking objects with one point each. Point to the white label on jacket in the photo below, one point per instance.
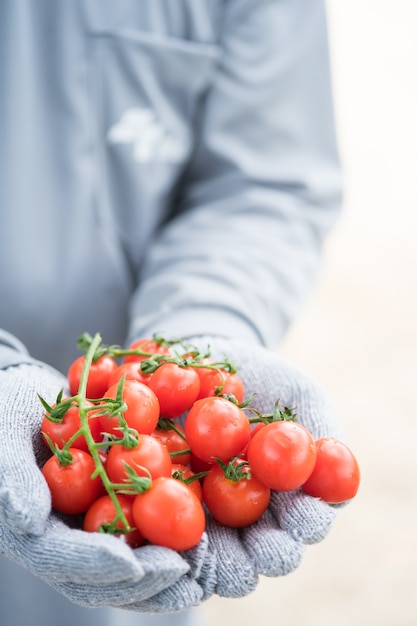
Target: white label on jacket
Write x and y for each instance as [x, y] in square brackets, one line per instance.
[151, 140]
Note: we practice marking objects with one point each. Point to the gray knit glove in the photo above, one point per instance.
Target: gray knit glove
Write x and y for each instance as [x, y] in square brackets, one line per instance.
[89, 568]
[274, 545]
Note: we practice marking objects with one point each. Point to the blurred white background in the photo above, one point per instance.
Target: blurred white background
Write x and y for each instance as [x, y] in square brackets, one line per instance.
[358, 338]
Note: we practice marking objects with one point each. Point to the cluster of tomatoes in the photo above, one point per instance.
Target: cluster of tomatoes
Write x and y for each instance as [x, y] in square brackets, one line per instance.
[122, 462]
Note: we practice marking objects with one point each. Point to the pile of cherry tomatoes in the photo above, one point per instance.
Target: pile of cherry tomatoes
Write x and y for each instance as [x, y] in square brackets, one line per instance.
[122, 463]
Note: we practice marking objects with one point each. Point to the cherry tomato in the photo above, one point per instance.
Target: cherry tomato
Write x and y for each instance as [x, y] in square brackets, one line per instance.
[103, 512]
[98, 376]
[147, 345]
[282, 455]
[235, 503]
[210, 379]
[142, 411]
[61, 432]
[215, 427]
[71, 486]
[174, 442]
[198, 465]
[234, 386]
[336, 475]
[149, 453]
[176, 388]
[213, 380]
[169, 515]
[184, 473]
[131, 371]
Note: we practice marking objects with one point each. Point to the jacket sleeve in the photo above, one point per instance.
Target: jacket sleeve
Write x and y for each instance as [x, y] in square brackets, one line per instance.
[262, 189]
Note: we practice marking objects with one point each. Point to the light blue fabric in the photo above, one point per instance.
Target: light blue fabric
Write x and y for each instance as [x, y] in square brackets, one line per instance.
[240, 92]
[164, 166]
[24, 600]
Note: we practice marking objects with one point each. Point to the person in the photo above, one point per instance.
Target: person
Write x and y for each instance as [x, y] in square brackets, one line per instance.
[164, 167]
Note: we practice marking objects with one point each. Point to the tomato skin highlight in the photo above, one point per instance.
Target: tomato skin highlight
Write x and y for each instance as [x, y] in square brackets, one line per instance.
[336, 474]
[235, 504]
[98, 376]
[103, 511]
[142, 411]
[169, 515]
[71, 486]
[176, 388]
[149, 453]
[215, 427]
[282, 455]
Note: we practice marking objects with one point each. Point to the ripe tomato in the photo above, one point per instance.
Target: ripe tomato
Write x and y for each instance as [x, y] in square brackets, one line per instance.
[174, 442]
[176, 388]
[148, 453]
[336, 475]
[184, 473]
[71, 486]
[98, 376]
[234, 386]
[169, 515]
[282, 455]
[147, 345]
[103, 512]
[131, 371]
[235, 503]
[142, 411]
[61, 432]
[198, 465]
[215, 427]
[211, 380]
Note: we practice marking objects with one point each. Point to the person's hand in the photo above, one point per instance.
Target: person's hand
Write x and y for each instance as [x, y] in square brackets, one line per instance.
[91, 569]
[274, 545]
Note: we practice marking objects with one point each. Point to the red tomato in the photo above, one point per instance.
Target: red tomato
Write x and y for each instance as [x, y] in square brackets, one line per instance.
[174, 442]
[169, 515]
[103, 511]
[71, 486]
[215, 427]
[131, 371]
[336, 475]
[61, 432]
[235, 503]
[213, 380]
[176, 388]
[234, 385]
[149, 346]
[282, 455]
[198, 465]
[210, 380]
[149, 453]
[184, 473]
[142, 411]
[98, 376]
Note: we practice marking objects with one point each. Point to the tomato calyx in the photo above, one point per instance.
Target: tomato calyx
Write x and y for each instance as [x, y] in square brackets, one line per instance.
[63, 454]
[134, 483]
[180, 475]
[167, 424]
[57, 412]
[235, 470]
[280, 413]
